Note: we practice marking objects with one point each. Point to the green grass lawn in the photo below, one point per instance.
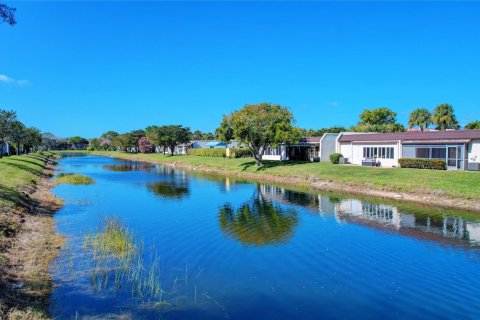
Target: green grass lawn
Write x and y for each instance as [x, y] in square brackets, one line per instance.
[460, 184]
[17, 172]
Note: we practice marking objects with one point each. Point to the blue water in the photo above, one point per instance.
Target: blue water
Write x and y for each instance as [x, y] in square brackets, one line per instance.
[237, 250]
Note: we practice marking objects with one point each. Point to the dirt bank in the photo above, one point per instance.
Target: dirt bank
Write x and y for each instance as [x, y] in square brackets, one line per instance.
[28, 247]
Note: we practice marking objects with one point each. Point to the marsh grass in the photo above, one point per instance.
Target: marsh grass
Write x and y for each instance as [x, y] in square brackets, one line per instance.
[73, 178]
[121, 265]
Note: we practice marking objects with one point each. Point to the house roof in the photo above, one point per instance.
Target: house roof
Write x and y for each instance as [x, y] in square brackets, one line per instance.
[215, 144]
[414, 136]
[313, 139]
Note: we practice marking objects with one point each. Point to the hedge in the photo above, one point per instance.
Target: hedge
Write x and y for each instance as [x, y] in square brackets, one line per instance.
[335, 157]
[240, 153]
[207, 152]
[433, 164]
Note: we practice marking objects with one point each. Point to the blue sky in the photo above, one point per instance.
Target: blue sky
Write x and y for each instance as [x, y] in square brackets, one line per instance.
[82, 68]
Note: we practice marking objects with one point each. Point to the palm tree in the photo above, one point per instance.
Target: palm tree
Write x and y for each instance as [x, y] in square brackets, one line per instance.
[421, 118]
[473, 125]
[444, 117]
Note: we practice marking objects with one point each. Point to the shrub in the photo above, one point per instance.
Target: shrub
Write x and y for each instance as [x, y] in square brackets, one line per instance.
[145, 146]
[240, 153]
[335, 157]
[433, 164]
[90, 148]
[207, 152]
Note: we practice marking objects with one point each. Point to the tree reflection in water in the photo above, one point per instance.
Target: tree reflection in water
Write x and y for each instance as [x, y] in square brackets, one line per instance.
[169, 189]
[258, 222]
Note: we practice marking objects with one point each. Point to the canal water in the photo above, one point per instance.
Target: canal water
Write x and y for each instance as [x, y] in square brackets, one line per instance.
[216, 248]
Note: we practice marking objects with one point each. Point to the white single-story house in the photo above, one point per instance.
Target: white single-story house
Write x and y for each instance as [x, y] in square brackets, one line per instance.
[459, 148]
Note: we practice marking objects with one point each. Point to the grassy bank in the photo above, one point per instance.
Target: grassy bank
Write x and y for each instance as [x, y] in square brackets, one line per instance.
[28, 241]
[450, 188]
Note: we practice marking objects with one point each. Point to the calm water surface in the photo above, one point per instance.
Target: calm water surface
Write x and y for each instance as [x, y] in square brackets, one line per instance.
[221, 248]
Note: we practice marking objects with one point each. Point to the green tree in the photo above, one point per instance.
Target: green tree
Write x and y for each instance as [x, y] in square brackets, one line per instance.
[421, 118]
[18, 134]
[321, 132]
[258, 126]
[33, 139]
[128, 141]
[378, 120]
[6, 120]
[168, 136]
[110, 135]
[208, 136]
[7, 14]
[94, 144]
[77, 140]
[444, 117]
[473, 125]
[197, 135]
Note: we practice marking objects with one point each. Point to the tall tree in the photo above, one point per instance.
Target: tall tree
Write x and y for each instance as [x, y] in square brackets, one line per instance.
[444, 117]
[378, 120]
[473, 125]
[33, 138]
[174, 135]
[258, 126]
[168, 137]
[6, 120]
[421, 118]
[7, 14]
[18, 134]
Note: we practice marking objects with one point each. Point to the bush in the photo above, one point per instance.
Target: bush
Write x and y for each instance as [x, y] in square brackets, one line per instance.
[90, 148]
[335, 157]
[240, 153]
[210, 152]
[433, 164]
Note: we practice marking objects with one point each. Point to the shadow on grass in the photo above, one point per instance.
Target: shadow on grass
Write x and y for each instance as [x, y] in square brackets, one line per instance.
[24, 168]
[271, 164]
[31, 162]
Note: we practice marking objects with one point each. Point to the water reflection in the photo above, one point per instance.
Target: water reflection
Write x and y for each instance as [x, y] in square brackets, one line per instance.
[124, 167]
[169, 189]
[443, 227]
[258, 222]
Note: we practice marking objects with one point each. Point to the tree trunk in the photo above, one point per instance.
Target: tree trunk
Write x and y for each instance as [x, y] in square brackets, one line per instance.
[258, 159]
[18, 149]
[1, 149]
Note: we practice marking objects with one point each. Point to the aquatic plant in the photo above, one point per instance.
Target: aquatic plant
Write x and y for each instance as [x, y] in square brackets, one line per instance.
[73, 178]
[121, 265]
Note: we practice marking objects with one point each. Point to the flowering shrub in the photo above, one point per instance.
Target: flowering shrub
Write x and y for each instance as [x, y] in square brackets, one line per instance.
[145, 146]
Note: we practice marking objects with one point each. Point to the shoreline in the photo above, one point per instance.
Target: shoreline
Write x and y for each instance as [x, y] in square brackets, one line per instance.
[313, 183]
[26, 279]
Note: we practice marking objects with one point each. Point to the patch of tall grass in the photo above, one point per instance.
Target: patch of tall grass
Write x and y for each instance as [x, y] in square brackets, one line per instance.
[120, 264]
[73, 178]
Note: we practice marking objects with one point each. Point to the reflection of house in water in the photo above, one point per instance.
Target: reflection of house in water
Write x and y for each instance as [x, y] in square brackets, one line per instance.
[421, 225]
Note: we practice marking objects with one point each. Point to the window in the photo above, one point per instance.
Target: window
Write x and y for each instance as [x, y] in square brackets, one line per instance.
[378, 152]
[439, 153]
[422, 153]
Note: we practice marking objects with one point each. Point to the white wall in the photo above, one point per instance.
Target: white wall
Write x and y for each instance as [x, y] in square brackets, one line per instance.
[345, 148]
[354, 152]
[474, 151]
